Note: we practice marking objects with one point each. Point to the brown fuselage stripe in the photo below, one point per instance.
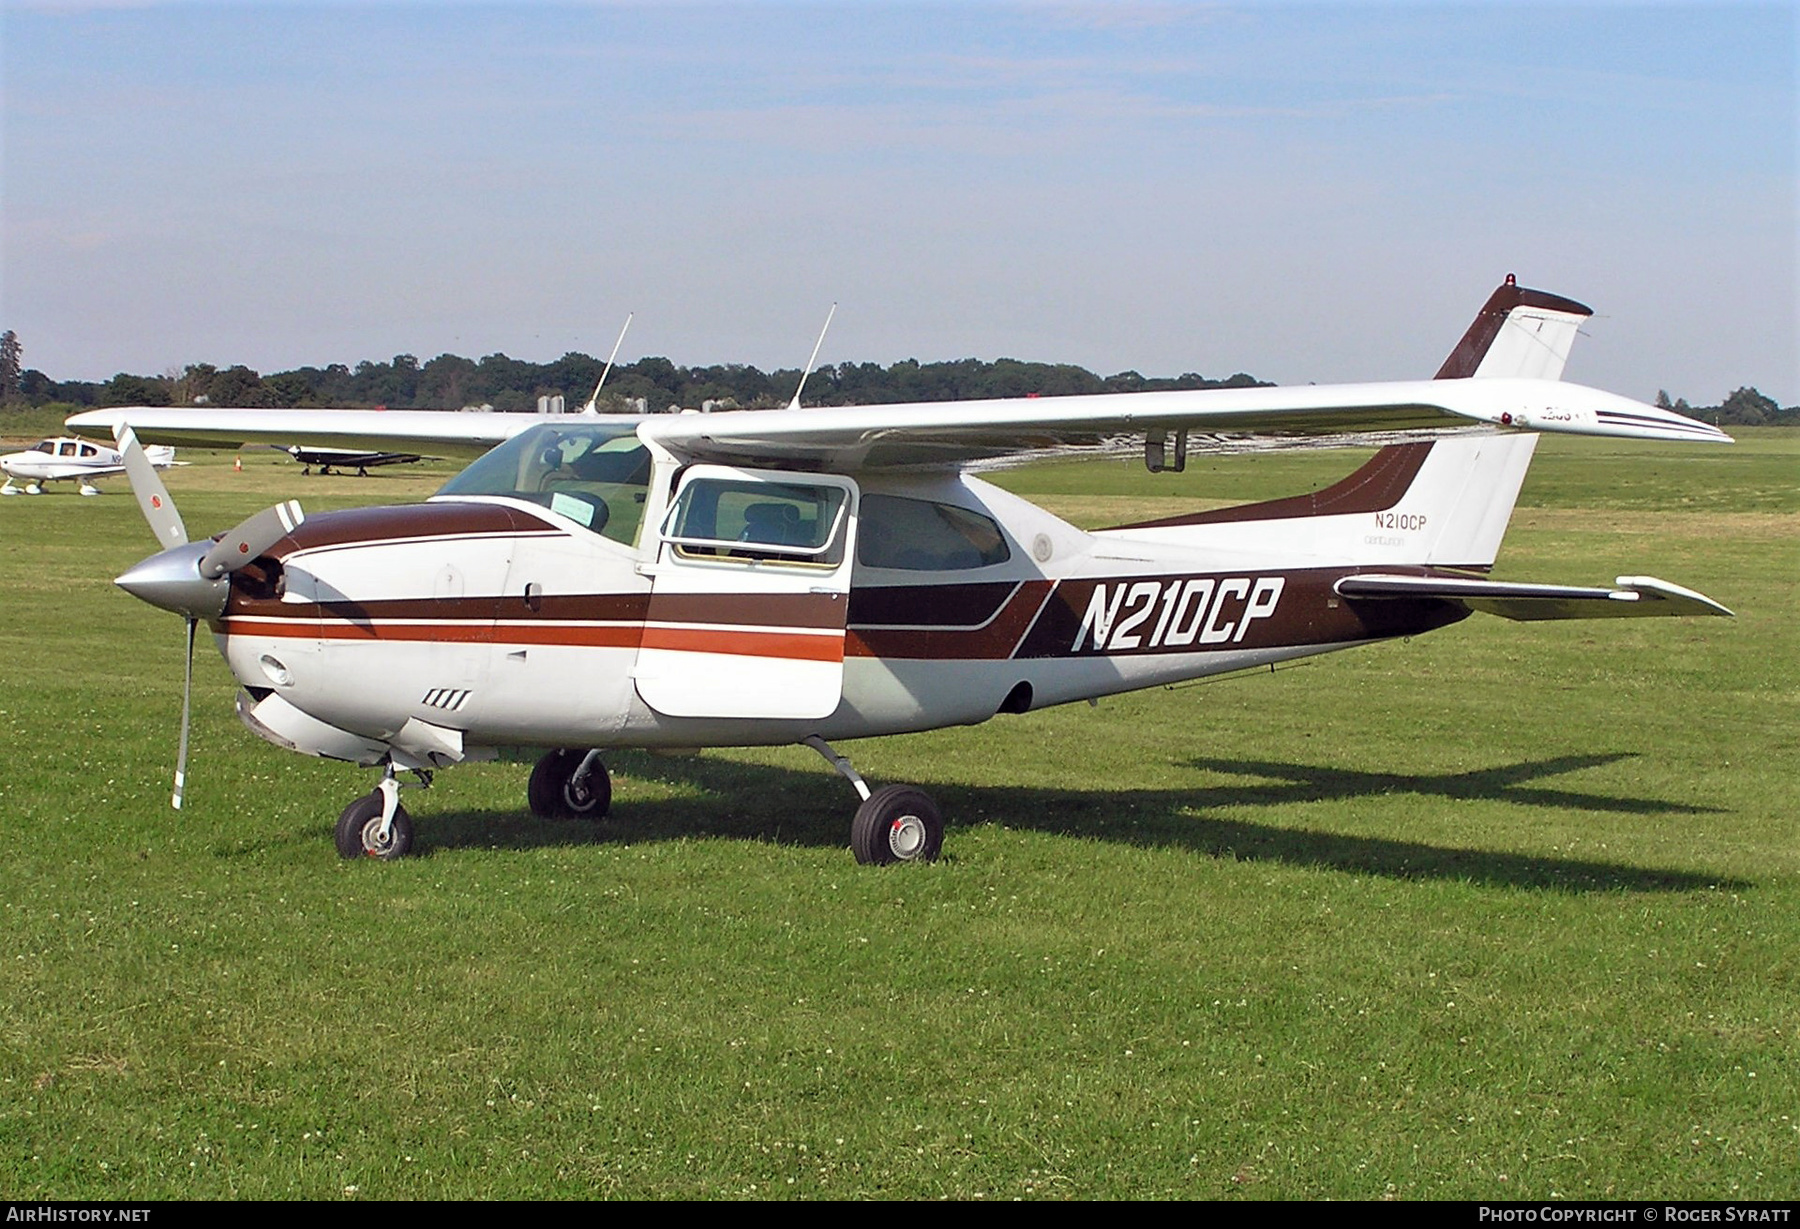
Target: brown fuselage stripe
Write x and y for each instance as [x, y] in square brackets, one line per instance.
[930, 605]
[815, 610]
[1042, 619]
[441, 520]
[995, 641]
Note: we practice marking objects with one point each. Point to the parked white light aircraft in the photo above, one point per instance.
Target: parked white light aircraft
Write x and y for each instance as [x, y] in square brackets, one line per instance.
[808, 576]
[69, 460]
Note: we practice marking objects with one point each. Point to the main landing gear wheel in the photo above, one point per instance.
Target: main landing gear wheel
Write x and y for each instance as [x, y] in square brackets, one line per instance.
[359, 830]
[559, 789]
[897, 823]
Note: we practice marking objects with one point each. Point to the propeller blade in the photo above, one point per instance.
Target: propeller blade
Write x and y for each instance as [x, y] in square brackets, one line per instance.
[187, 691]
[250, 539]
[152, 495]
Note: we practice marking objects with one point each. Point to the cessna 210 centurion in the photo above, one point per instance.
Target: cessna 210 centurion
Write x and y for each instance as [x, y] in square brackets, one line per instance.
[809, 576]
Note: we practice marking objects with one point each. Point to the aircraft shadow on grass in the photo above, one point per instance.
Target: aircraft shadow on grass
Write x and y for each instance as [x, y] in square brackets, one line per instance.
[725, 798]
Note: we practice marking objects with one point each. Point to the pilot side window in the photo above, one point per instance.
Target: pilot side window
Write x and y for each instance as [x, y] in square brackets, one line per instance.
[920, 535]
[780, 522]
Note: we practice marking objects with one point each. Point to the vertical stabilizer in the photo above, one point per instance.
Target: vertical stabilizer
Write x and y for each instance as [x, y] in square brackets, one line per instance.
[1518, 333]
[1470, 485]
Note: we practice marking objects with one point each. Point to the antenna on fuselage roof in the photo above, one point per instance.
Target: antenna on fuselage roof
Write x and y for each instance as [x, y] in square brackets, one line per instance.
[795, 403]
[593, 406]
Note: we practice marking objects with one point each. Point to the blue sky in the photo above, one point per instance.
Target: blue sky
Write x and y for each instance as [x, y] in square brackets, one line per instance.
[1302, 192]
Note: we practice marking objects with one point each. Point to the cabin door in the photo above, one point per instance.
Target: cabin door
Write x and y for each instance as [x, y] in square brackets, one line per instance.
[749, 596]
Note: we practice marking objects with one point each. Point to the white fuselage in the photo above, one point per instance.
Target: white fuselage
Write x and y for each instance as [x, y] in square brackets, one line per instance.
[69, 460]
[445, 630]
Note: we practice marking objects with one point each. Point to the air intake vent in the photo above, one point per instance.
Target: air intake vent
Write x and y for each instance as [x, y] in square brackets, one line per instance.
[450, 699]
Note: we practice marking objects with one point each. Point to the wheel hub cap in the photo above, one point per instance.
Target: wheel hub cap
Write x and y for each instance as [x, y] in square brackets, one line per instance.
[906, 837]
[373, 844]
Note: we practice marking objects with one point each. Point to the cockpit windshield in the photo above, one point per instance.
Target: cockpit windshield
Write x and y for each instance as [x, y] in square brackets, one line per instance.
[596, 473]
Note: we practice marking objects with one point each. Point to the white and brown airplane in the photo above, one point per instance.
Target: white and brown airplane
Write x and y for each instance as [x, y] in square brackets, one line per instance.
[810, 576]
[69, 460]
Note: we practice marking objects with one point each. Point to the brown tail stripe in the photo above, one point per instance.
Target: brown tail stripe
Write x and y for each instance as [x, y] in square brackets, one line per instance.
[1378, 485]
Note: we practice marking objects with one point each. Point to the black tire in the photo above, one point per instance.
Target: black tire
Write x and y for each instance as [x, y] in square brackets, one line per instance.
[552, 792]
[358, 826]
[897, 823]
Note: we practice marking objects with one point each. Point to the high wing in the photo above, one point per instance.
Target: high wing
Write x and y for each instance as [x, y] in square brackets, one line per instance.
[957, 433]
[1503, 374]
[961, 432]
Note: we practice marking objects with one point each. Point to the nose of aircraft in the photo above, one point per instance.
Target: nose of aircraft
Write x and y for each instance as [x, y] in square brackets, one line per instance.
[172, 580]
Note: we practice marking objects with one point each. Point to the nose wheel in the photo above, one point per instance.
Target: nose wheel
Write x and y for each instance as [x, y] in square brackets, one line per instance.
[361, 834]
[570, 784]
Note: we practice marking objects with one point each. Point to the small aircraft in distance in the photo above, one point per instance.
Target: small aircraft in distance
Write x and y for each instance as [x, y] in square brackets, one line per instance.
[806, 576]
[346, 458]
[69, 460]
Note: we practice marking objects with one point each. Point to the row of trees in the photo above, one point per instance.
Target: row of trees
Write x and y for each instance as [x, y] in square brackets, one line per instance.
[450, 381]
[1744, 408]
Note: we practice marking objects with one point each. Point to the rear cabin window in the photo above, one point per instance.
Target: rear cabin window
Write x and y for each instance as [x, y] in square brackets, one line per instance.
[780, 522]
[920, 535]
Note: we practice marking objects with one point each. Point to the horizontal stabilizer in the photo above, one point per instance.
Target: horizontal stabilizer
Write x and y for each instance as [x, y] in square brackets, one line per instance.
[1636, 596]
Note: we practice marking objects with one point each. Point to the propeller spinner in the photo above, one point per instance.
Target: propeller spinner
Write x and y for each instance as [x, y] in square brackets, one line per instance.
[191, 579]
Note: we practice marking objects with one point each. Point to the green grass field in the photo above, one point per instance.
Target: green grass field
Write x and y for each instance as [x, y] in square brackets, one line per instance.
[1508, 911]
